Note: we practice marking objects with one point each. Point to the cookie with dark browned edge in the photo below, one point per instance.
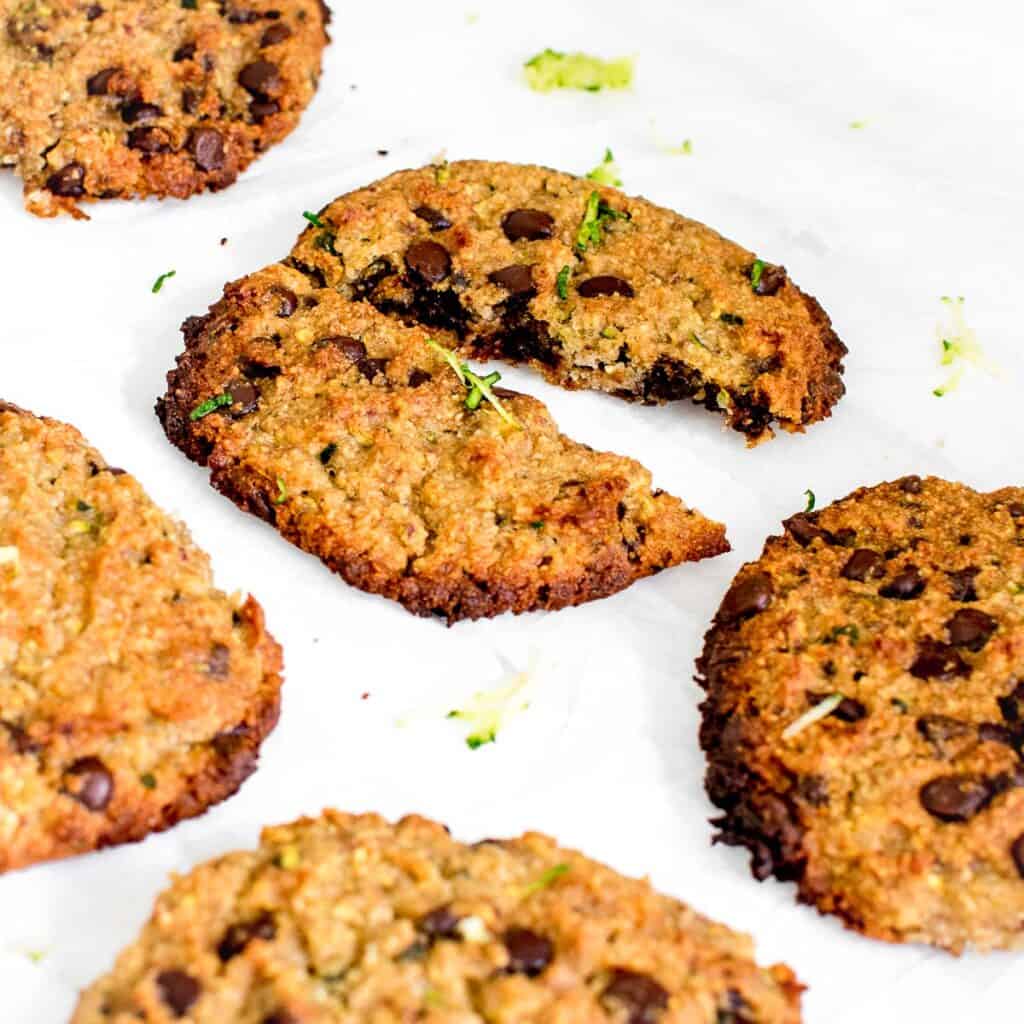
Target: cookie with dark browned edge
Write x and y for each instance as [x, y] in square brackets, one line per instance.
[133, 693]
[594, 288]
[355, 437]
[864, 720]
[103, 99]
[348, 919]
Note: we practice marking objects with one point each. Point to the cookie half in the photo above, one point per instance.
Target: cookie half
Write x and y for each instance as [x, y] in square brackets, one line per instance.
[355, 437]
[594, 288]
[864, 719]
[132, 692]
[350, 918]
[130, 98]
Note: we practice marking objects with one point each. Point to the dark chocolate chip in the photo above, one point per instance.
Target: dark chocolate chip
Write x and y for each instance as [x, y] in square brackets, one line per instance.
[850, 710]
[262, 109]
[418, 377]
[97, 85]
[276, 34]
[137, 112]
[528, 952]
[429, 261]
[1012, 705]
[1017, 853]
[219, 662]
[148, 139]
[955, 797]
[517, 279]
[938, 730]
[1016, 509]
[528, 224]
[961, 584]
[259, 371]
[748, 596]
[773, 277]
[439, 923]
[190, 100]
[604, 284]
[435, 218]
[970, 628]
[803, 529]
[862, 563]
[207, 148]
[178, 990]
[910, 485]
[281, 1017]
[261, 79]
[351, 348]
[905, 586]
[842, 538]
[245, 397]
[89, 782]
[68, 181]
[370, 368]
[644, 998]
[991, 732]
[287, 301]
[936, 660]
[184, 52]
[92, 12]
[240, 934]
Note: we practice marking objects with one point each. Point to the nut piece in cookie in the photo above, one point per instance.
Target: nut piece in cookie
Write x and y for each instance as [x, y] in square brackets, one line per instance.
[133, 693]
[352, 918]
[372, 446]
[864, 720]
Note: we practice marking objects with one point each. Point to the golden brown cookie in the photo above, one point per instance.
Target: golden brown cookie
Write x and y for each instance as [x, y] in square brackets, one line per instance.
[594, 288]
[864, 720]
[356, 438]
[105, 99]
[349, 920]
[132, 692]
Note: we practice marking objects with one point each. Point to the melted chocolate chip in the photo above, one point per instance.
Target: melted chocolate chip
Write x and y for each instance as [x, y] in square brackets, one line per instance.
[748, 596]
[240, 934]
[439, 923]
[604, 284]
[287, 301]
[262, 109]
[1016, 509]
[276, 34]
[351, 348]
[184, 52]
[370, 368]
[178, 990]
[135, 111]
[862, 563]
[245, 397]
[910, 485]
[517, 279]
[527, 224]
[961, 584]
[69, 181]
[149, 140]
[936, 660]
[89, 782]
[1017, 853]
[905, 586]
[434, 218]
[850, 710]
[643, 998]
[260, 79]
[803, 529]
[429, 261]
[773, 277]
[92, 12]
[955, 797]
[970, 628]
[418, 377]
[207, 148]
[98, 84]
[1012, 705]
[939, 730]
[528, 952]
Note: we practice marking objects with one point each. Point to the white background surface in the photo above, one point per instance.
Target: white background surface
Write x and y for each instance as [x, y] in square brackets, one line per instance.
[878, 223]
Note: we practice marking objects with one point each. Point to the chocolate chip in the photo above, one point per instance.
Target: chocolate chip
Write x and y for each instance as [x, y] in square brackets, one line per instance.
[240, 934]
[1017, 853]
[970, 628]
[259, 371]
[261, 79]
[241, 15]
[517, 279]
[351, 348]
[905, 586]
[1012, 705]
[276, 34]
[184, 52]
[435, 218]
[136, 112]
[861, 563]
[439, 923]
[149, 140]
[190, 100]
[604, 284]
[369, 368]
[262, 109]
[89, 782]
[219, 662]
[20, 739]
[955, 797]
[245, 397]
[287, 301]
[207, 148]
[68, 181]
[643, 998]
[803, 529]
[961, 584]
[429, 261]
[850, 710]
[92, 12]
[938, 730]
[281, 1017]
[418, 377]
[178, 990]
[528, 224]
[991, 732]
[1016, 510]
[97, 85]
[748, 596]
[936, 660]
[773, 277]
[910, 485]
[528, 952]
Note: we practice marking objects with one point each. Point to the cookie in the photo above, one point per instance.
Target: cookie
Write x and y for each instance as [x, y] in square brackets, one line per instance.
[594, 288]
[348, 918]
[864, 719]
[104, 99]
[356, 438]
[133, 693]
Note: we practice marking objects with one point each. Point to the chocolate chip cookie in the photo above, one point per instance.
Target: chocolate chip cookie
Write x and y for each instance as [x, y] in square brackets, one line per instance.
[594, 288]
[104, 99]
[132, 692]
[864, 721]
[351, 919]
[372, 446]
